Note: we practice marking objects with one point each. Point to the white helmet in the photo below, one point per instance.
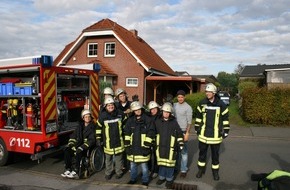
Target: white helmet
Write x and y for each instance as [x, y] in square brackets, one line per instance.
[109, 91]
[86, 112]
[210, 87]
[152, 104]
[109, 100]
[135, 106]
[167, 107]
[119, 91]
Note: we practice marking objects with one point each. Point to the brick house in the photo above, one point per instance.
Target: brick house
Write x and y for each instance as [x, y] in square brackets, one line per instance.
[126, 60]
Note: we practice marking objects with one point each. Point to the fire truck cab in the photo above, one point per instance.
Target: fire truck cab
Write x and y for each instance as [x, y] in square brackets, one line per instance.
[41, 104]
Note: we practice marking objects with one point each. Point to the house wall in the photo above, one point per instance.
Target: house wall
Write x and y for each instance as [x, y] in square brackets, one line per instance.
[123, 63]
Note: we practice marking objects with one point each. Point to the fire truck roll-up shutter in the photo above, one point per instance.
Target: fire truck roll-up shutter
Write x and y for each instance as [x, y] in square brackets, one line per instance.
[49, 92]
[94, 95]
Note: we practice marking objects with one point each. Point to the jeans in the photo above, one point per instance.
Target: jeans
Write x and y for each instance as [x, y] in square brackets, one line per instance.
[184, 158]
[134, 171]
[166, 173]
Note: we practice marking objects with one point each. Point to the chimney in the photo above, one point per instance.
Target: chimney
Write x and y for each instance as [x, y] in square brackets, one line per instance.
[134, 32]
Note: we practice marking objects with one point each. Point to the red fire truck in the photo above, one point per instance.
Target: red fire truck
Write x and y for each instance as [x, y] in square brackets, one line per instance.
[41, 104]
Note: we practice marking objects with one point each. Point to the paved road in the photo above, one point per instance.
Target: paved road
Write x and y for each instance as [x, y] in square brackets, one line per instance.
[246, 151]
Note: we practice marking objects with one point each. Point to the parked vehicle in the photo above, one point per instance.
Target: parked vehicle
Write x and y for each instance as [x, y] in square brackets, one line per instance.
[41, 104]
[224, 96]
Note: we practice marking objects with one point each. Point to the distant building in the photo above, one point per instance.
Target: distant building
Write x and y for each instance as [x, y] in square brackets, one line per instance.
[271, 75]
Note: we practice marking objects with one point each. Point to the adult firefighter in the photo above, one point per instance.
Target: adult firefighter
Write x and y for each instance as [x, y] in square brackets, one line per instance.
[275, 180]
[109, 130]
[139, 133]
[82, 139]
[212, 126]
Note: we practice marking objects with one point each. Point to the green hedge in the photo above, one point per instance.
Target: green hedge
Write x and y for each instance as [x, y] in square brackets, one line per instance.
[262, 106]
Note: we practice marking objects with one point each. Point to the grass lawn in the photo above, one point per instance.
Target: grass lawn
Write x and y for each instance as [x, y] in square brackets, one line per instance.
[234, 115]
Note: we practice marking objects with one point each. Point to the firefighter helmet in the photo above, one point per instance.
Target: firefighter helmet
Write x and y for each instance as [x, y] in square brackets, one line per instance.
[109, 100]
[167, 107]
[210, 87]
[109, 91]
[86, 112]
[119, 91]
[152, 104]
[135, 106]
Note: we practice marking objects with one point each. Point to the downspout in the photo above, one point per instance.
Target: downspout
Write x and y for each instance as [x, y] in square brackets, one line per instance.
[145, 87]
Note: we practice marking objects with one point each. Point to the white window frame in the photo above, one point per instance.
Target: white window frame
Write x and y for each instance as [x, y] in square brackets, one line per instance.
[107, 52]
[132, 82]
[88, 51]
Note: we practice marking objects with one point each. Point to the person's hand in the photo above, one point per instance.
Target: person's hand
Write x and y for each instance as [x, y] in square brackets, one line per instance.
[225, 135]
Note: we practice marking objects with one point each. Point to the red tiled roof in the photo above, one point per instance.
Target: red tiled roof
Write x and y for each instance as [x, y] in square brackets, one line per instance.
[62, 54]
[137, 45]
[105, 69]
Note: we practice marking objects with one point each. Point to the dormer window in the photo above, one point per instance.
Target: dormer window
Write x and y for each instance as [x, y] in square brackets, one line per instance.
[92, 50]
[110, 49]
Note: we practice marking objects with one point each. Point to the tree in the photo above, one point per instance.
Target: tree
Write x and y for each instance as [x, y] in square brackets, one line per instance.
[228, 82]
[239, 68]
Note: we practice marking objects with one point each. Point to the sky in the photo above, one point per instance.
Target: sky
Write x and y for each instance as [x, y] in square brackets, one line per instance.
[201, 37]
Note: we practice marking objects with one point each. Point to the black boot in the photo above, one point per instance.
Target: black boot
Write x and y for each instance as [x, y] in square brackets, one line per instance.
[215, 174]
[200, 172]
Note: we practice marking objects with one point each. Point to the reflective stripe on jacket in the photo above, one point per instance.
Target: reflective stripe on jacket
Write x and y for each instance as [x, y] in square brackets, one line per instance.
[211, 120]
[83, 136]
[138, 138]
[169, 136]
[110, 131]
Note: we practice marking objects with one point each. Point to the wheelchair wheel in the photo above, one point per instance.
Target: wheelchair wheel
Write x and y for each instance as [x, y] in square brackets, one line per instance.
[97, 159]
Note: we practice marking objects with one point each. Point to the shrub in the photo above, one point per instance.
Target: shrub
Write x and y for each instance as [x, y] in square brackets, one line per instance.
[262, 106]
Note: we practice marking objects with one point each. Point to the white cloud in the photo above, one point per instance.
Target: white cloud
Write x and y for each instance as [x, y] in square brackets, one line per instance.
[201, 37]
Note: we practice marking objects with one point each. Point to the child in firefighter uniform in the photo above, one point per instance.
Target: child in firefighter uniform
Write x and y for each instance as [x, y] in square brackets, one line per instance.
[139, 133]
[154, 113]
[109, 130]
[82, 139]
[212, 126]
[169, 139]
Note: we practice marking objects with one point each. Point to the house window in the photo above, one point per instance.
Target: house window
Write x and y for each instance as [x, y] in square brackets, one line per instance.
[92, 50]
[132, 82]
[110, 49]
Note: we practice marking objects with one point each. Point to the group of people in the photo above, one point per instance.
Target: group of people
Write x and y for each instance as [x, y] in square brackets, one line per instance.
[156, 139]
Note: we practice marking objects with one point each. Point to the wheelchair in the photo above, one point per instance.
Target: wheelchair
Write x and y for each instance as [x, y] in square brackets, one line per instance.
[93, 162]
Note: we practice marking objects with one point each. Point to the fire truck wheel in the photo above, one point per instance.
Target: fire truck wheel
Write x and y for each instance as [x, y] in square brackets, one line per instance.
[4, 154]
